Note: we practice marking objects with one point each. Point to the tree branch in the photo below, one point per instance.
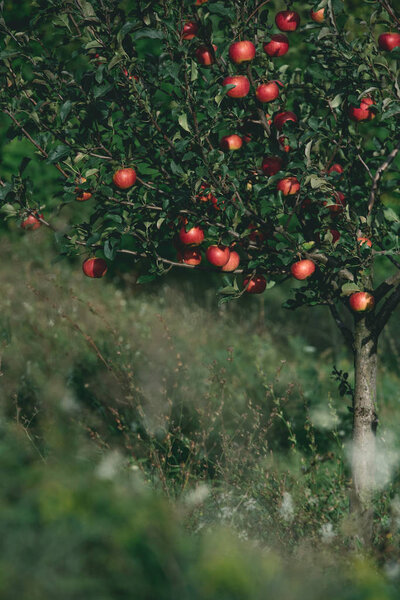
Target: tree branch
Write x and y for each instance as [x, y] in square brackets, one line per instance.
[378, 176]
[30, 138]
[345, 331]
[387, 309]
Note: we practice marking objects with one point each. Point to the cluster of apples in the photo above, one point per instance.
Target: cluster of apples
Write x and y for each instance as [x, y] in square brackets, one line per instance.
[123, 179]
[217, 255]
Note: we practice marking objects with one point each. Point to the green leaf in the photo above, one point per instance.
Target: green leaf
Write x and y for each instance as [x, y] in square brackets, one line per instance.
[87, 9]
[58, 153]
[316, 181]
[65, 110]
[390, 215]
[153, 34]
[102, 90]
[194, 71]
[349, 288]
[8, 210]
[336, 101]
[182, 120]
[5, 190]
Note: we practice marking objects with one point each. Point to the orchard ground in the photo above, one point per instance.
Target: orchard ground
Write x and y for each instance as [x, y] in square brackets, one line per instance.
[203, 406]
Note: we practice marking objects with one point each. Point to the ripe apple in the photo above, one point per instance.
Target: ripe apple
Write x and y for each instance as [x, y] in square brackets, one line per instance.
[130, 76]
[388, 41]
[278, 46]
[266, 92]
[302, 269]
[218, 255]
[195, 235]
[283, 117]
[231, 142]
[285, 147]
[233, 262]
[255, 284]
[124, 178]
[271, 165]
[94, 267]
[318, 16]
[82, 196]
[361, 302]
[32, 222]
[336, 168]
[206, 55]
[190, 256]
[200, 2]
[306, 204]
[287, 20]
[189, 30]
[363, 112]
[337, 208]
[256, 235]
[268, 117]
[241, 83]
[242, 51]
[364, 240]
[98, 61]
[288, 186]
[335, 235]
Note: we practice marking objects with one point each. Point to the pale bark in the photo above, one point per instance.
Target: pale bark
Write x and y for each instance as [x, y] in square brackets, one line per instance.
[364, 427]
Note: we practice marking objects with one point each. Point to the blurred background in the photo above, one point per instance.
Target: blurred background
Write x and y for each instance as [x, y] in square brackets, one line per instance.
[155, 445]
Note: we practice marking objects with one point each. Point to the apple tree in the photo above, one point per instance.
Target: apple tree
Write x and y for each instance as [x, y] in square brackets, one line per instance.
[255, 139]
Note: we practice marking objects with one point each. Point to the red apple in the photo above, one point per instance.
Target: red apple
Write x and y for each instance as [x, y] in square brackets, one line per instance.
[231, 142]
[32, 222]
[283, 117]
[266, 92]
[285, 147]
[364, 240]
[337, 208]
[124, 178]
[336, 168]
[130, 76]
[206, 55]
[256, 235]
[190, 256]
[255, 284]
[318, 16]
[94, 267]
[242, 51]
[241, 83]
[288, 186]
[302, 269]
[195, 235]
[271, 165]
[82, 196]
[388, 41]
[189, 30]
[362, 302]
[278, 46]
[287, 20]
[218, 255]
[306, 204]
[363, 112]
[268, 117]
[335, 235]
[233, 262]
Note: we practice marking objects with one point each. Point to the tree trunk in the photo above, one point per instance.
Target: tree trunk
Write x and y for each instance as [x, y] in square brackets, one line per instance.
[364, 428]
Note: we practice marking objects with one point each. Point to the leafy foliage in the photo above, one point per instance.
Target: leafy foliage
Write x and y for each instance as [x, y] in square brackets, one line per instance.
[113, 85]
